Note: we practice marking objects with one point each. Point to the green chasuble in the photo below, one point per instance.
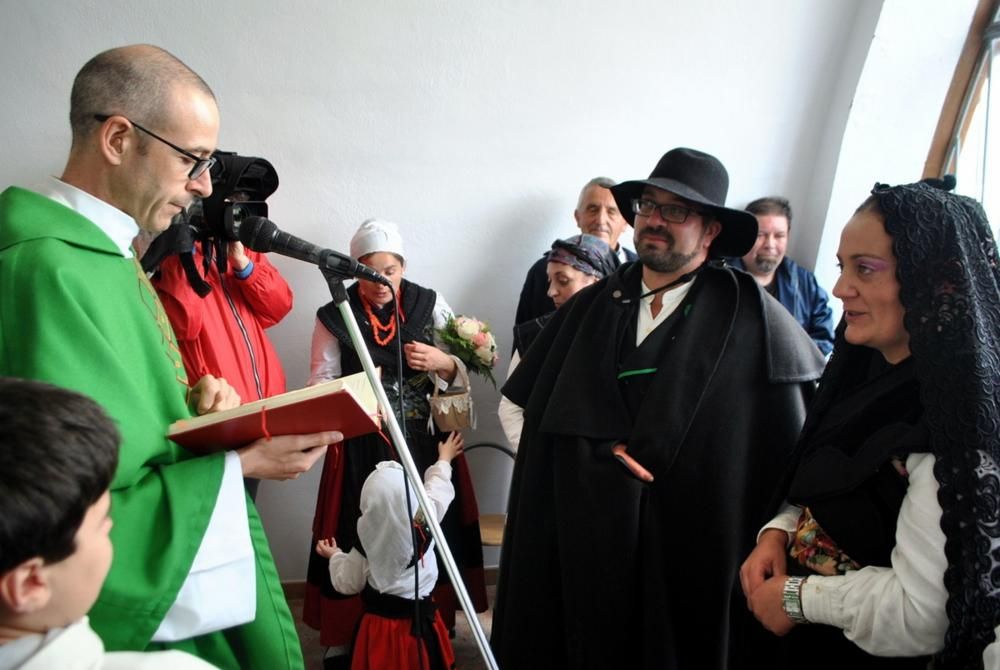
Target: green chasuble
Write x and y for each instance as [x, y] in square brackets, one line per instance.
[76, 313]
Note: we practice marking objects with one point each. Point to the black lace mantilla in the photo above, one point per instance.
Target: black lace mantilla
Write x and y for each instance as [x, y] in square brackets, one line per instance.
[950, 287]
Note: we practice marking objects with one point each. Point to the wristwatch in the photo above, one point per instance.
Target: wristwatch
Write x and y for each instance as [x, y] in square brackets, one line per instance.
[791, 599]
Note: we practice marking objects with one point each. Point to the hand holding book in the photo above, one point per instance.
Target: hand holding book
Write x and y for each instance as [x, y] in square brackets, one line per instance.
[345, 407]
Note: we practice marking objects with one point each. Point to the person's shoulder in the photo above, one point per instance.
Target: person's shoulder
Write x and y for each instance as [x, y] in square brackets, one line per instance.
[736, 263]
[421, 291]
[538, 268]
[792, 356]
[796, 269]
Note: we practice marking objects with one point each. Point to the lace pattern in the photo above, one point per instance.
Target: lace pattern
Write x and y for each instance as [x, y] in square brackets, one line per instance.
[950, 288]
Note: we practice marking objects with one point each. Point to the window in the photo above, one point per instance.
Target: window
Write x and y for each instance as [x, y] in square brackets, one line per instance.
[973, 153]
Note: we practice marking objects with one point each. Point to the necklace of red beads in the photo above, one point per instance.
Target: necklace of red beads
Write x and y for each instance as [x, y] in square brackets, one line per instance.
[383, 333]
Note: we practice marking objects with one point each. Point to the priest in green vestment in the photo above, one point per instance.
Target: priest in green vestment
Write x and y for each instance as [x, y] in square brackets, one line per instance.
[192, 569]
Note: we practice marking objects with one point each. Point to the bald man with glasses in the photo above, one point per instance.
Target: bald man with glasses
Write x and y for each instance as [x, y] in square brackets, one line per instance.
[192, 569]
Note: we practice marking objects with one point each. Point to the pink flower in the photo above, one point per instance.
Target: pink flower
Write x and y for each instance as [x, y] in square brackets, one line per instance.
[480, 339]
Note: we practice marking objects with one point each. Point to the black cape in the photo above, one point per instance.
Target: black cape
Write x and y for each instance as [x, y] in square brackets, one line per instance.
[599, 570]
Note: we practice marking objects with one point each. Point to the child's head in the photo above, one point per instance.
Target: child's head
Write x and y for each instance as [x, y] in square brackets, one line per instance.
[385, 527]
[58, 453]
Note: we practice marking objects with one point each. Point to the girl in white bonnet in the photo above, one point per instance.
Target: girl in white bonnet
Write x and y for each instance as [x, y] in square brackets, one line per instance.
[381, 567]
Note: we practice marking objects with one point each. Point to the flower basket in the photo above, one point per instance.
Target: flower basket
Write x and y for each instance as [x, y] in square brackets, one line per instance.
[471, 341]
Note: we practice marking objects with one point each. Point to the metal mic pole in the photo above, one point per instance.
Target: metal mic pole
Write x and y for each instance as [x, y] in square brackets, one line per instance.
[339, 294]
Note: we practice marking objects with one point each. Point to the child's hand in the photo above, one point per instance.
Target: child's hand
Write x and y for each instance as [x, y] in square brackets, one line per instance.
[451, 447]
[327, 548]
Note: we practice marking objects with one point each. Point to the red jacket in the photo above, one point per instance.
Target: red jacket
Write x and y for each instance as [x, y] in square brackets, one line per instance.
[222, 334]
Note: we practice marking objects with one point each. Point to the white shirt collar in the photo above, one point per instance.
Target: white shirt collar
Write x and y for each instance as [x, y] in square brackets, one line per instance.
[116, 224]
[671, 297]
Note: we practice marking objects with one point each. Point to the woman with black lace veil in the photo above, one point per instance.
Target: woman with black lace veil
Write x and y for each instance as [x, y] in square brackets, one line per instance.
[888, 542]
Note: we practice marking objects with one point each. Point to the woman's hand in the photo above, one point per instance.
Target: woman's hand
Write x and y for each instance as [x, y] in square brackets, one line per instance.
[427, 358]
[768, 559]
[766, 604]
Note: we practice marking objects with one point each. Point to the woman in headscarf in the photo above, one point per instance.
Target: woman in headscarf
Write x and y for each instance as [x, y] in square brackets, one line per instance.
[889, 535]
[572, 264]
[422, 312]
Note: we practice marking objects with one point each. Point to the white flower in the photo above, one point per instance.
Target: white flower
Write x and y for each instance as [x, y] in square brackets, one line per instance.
[485, 354]
[466, 328]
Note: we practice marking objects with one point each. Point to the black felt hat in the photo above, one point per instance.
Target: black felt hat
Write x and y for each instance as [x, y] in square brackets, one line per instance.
[702, 179]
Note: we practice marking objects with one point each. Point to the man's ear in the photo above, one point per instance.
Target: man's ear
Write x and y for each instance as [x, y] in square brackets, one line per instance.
[25, 588]
[712, 231]
[114, 138]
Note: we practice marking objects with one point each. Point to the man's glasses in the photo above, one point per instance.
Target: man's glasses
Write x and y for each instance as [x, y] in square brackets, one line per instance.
[669, 212]
[200, 164]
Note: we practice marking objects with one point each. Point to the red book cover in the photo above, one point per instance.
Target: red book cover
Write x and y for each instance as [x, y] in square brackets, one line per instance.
[347, 405]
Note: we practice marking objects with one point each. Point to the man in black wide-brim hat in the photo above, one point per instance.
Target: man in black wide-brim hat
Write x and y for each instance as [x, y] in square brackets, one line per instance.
[661, 404]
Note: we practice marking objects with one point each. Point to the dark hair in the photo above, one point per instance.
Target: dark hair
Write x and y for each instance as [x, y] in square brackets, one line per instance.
[135, 81]
[58, 453]
[772, 205]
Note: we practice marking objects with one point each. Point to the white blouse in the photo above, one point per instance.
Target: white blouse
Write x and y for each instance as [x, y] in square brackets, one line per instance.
[894, 611]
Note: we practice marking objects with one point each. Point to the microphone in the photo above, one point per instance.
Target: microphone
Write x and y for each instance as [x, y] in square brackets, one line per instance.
[262, 234]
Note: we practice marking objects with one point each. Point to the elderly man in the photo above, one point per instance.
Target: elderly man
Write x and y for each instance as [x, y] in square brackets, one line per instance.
[795, 287]
[659, 404]
[192, 570]
[596, 214]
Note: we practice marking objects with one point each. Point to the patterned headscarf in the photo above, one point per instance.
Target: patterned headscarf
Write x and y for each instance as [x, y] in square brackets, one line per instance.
[587, 253]
[949, 277]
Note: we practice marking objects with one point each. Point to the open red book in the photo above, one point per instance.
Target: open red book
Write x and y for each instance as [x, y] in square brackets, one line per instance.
[347, 404]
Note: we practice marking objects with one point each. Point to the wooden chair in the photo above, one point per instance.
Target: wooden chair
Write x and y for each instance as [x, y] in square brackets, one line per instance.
[491, 525]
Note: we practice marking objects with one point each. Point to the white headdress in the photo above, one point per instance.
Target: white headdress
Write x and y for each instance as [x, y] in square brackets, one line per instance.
[376, 235]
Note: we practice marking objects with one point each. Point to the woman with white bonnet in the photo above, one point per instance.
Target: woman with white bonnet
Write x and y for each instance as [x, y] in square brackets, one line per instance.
[422, 312]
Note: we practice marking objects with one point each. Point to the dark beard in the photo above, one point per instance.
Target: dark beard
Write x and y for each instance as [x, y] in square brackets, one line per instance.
[669, 261]
[666, 263]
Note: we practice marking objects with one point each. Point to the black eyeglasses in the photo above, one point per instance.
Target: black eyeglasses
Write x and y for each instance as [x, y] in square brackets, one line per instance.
[200, 164]
[669, 212]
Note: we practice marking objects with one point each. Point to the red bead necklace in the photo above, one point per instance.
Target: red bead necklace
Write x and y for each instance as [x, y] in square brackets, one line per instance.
[389, 329]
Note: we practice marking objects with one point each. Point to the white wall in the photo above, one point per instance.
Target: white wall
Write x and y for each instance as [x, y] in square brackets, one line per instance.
[894, 110]
[473, 125]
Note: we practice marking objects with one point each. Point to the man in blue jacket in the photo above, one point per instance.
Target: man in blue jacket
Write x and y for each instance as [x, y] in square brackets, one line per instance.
[795, 287]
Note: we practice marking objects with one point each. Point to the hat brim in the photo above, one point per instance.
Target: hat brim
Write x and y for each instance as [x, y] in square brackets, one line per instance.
[739, 228]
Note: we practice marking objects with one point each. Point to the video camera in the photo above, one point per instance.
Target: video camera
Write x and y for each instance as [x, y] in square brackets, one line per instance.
[240, 186]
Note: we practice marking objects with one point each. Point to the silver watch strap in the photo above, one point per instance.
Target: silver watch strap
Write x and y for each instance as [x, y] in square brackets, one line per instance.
[791, 599]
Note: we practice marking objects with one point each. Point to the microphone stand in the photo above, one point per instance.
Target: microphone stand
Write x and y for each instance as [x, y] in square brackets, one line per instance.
[339, 293]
